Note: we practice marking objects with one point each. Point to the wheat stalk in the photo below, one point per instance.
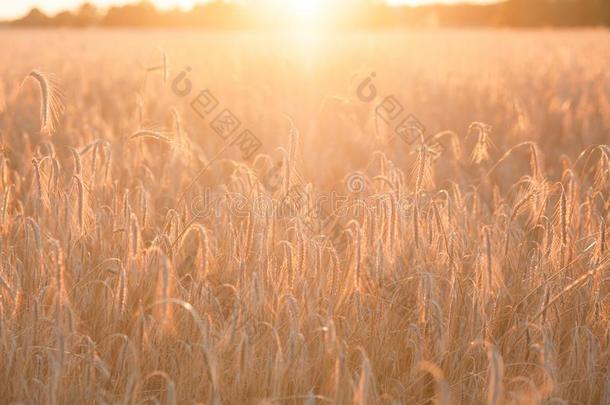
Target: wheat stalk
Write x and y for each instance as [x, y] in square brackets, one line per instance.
[51, 105]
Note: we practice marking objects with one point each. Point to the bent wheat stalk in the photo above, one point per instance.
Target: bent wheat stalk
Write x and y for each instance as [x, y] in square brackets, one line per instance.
[51, 105]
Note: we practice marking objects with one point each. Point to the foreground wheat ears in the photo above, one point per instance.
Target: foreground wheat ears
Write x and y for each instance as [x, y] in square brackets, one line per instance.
[464, 294]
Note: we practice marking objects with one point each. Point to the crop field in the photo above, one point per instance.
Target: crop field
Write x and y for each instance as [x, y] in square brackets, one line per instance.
[408, 217]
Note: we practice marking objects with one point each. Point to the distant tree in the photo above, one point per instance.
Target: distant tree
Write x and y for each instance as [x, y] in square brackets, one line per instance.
[87, 15]
[34, 18]
[141, 14]
[64, 19]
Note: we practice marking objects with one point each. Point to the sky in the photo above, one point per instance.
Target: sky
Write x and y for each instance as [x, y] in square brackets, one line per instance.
[10, 9]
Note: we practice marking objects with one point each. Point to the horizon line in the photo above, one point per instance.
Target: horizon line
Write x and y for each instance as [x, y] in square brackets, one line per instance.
[104, 8]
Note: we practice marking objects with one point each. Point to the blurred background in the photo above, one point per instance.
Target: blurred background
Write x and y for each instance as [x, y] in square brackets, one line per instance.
[337, 14]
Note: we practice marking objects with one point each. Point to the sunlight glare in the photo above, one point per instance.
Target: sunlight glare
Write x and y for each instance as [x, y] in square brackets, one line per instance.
[305, 9]
[302, 14]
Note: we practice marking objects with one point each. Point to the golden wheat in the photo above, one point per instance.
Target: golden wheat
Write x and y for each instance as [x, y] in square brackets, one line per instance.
[340, 264]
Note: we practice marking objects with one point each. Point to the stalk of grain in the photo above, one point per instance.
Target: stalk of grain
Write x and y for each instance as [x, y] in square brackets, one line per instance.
[488, 260]
[81, 202]
[51, 105]
[416, 223]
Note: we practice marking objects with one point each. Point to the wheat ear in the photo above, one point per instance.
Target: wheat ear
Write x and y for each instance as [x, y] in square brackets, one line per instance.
[51, 105]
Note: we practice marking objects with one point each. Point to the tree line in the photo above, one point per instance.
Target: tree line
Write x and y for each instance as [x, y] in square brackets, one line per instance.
[226, 15]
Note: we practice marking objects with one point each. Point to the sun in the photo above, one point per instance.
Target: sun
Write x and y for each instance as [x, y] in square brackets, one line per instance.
[305, 9]
[184, 5]
[300, 13]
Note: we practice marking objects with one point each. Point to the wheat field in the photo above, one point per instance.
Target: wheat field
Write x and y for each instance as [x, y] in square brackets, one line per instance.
[148, 258]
